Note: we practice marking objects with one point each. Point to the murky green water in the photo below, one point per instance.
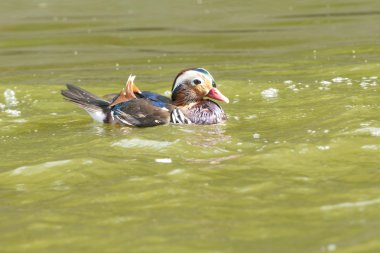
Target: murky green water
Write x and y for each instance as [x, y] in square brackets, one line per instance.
[295, 169]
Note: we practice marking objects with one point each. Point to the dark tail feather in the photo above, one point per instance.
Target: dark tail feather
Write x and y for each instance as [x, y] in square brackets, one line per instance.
[94, 105]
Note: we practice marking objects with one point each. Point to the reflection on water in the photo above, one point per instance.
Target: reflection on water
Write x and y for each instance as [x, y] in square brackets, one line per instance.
[205, 136]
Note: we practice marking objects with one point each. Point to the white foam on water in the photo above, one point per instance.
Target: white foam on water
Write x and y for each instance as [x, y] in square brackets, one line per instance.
[163, 160]
[372, 147]
[87, 162]
[331, 247]
[270, 93]
[253, 116]
[256, 136]
[325, 83]
[21, 121]
[176, 172]
[20, 187]
[374, 131]
[351, 204]
[340, 79]
[132, 143]
[10, 101]
[293, 87]
[13, 113]
[60, 185]
[10, 97]
[38, 168]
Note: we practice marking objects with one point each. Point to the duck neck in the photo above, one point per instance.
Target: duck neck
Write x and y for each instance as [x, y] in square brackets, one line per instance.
[185, 97]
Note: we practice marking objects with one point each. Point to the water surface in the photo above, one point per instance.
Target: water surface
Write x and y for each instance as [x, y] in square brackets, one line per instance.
[295, 169]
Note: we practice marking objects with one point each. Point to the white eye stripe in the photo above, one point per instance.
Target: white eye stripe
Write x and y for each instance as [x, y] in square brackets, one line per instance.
[190, 75]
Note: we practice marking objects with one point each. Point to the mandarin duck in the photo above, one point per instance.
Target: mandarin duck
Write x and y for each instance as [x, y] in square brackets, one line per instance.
[133, 107]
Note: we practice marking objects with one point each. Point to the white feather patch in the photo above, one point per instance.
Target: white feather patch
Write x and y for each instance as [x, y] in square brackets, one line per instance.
[98, 116]
[188, 76]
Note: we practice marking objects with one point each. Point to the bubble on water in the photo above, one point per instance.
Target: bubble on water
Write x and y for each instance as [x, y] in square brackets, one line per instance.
[340, 79]
[256, 136]
[331, 247]
[288, 82]
[2, 106]
[325, 82]
[364, 85]
[293, 88]
[10, 97]
[323, 147]
[367, 82]
[325, 85]
[163, 160]
[270, 93]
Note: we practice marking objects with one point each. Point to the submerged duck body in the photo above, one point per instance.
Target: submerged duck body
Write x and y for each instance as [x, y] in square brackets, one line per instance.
[132, 107]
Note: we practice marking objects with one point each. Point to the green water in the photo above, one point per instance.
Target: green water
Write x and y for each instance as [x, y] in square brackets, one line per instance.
[295, 169]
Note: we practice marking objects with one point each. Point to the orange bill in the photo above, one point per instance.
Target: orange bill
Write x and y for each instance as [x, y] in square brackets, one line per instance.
[217, 95]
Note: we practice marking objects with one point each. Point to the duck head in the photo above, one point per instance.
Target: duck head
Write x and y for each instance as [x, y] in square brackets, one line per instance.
[192, 85]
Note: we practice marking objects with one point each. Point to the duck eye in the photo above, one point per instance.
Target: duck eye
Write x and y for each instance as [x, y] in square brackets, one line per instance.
[196, 81]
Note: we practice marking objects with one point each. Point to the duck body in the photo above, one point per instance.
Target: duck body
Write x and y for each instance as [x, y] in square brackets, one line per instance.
[132, 107]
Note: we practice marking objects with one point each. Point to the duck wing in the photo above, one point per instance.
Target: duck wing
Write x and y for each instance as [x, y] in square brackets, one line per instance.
[140, 112]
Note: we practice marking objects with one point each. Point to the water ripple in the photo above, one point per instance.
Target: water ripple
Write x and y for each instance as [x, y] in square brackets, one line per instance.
[38, 168]
[351, 204]
[132, 143]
